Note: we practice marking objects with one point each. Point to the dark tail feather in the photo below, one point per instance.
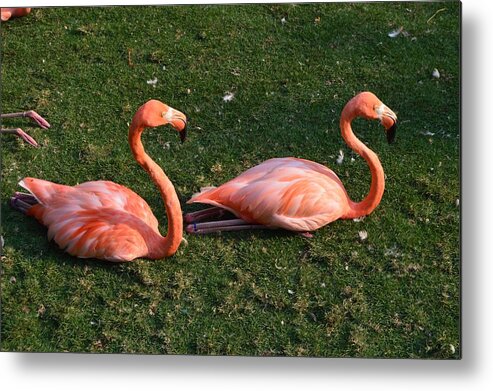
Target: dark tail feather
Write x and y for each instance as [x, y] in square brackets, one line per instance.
[22, 201]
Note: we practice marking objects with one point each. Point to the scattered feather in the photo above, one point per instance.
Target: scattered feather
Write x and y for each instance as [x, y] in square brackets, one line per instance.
[13, 280]
[152, 82]
[457, 202]
[228, 97]
[392, 252]
[290, 292]
[340, 158]
[363, 235]
[427, 133]
[452, 348]
[435, 73]
[283, 20]
[395, 33]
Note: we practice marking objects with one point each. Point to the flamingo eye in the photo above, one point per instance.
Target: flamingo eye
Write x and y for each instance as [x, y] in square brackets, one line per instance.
[168, 114]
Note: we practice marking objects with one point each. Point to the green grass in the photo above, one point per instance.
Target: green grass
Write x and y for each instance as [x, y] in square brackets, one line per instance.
[248, 293]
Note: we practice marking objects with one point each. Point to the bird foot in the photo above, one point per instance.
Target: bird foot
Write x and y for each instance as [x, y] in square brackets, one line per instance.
[28, 139]
[37, 118]
[23, 135]
[308, 235]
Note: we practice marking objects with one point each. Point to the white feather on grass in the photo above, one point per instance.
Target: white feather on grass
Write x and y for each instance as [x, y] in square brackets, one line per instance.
[395, 33]
[152, 82]
[340, 158]
[228, 97]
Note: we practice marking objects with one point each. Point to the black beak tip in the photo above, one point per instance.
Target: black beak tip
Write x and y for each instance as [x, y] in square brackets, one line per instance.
[183, 135]
[391, 133]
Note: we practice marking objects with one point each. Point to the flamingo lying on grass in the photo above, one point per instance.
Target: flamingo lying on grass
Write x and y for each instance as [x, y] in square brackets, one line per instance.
[296, 194]
[15, 12]
[19, 132]
[105, 220]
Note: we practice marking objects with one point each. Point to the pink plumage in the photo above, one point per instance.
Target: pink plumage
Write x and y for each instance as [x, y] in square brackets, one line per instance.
[98, 219]
[296, 194]
[105, 220]
[289, 193]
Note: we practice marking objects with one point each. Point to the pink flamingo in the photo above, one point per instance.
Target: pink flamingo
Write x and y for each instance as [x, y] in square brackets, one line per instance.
[8, 13]
[296, 194]
[106, 220]
[19, 132]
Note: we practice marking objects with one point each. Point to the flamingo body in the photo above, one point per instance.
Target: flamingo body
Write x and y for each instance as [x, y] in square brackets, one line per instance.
[297, 194]
[290, 193]
[105, 220]
[98, 219]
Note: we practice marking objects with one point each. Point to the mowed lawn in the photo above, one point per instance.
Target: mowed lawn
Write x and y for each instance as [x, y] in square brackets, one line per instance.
[290, 69]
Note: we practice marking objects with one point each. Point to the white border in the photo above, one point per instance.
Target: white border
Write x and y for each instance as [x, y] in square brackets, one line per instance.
[123, 372]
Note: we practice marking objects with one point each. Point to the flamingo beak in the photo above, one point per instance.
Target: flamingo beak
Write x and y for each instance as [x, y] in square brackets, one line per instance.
[179, 122]
[391, 133]
[183, 134]
[389, 121]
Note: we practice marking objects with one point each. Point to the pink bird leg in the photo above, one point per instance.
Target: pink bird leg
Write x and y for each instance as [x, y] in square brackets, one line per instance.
[29, 114]
[23, 135]
[204, 214]
[19, 132]
[38, 119]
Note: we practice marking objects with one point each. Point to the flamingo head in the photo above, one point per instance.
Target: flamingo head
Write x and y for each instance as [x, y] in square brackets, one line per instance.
[155, 113]
[367, 105]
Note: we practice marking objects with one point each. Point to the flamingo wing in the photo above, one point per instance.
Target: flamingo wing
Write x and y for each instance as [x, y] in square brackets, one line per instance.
[103, 234]
[93, 195]
[117, 196]
[90, 220]
[289, 193]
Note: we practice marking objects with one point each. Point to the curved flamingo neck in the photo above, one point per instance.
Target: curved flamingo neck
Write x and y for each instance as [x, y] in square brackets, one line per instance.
[167, 245]
[371, 201]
